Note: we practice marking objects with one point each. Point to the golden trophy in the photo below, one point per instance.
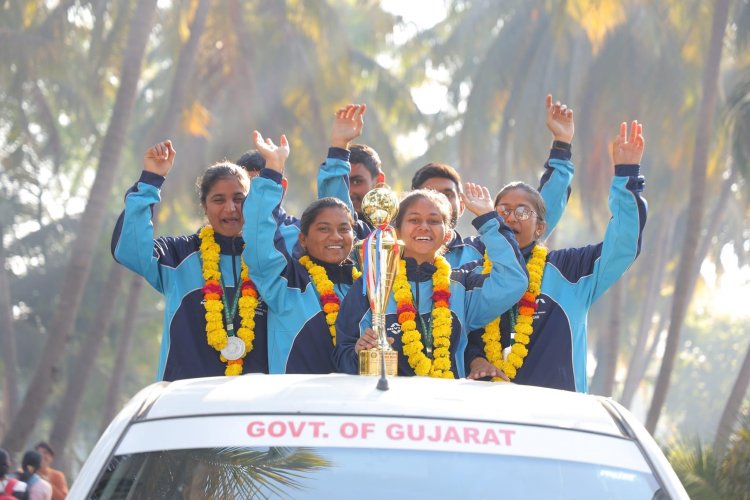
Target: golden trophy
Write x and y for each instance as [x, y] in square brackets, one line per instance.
[380, 254]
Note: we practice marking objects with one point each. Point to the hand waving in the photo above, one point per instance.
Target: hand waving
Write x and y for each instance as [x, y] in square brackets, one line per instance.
[560, 121]
[628, 149]
[477, 199]
[159, 158]
[274, 155]
[347, 125]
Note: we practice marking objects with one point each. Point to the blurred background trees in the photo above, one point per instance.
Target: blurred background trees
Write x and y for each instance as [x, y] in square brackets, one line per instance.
[81, 98]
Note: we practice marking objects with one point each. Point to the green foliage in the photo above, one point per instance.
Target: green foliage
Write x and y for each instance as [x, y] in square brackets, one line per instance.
[708, 476]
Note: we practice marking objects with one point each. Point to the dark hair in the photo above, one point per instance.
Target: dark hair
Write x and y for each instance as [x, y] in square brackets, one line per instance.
[312, 211]
[4, 462]
[535, 198]
[439, 199]
[215, 173]
[45, 446]
[436, 170]
[31, 460]
[251, 161]
[361, 153]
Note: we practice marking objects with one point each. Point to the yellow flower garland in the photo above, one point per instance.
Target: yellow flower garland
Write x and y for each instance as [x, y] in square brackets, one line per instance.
[329, 301]
[411, 338]
[523, 327]
[216, 333]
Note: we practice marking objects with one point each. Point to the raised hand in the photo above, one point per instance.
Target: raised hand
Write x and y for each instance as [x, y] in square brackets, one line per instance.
[477, 199]
[274, 155]
[560, 121]
[159, 158]
[347, 125]
[628, 148]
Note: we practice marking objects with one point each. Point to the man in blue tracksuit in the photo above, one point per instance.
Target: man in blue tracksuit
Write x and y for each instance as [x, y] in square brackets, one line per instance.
[333, 180]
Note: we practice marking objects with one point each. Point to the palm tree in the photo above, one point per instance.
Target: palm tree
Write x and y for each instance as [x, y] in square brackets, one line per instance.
[707, 474]
[219, 472]
[90, 346]
[92, 220]
[687, 263]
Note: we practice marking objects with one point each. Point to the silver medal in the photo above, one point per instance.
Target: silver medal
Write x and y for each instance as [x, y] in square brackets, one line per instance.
[234, 349]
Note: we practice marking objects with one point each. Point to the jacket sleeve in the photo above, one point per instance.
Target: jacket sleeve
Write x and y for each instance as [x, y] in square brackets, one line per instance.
[354, 317]
[133, 243]
[333, 176]
[265, 252]
[554, 186]
[622, 240]
[288, 228]
[505, 284]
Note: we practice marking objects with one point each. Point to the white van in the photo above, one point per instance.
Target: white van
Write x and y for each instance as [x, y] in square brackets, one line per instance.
[338, 436]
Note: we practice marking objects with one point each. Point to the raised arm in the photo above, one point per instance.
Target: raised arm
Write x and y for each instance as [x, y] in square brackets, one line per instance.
[508, 279]
[265, 255]
[133, 243]
[622, 239]
[554, 186]
[333, 176]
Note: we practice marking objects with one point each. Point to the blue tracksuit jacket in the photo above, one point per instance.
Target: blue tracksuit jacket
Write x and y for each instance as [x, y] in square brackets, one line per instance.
[172, 265]
[333, 180]
[474, 297]
[574, 278]
[298, 337]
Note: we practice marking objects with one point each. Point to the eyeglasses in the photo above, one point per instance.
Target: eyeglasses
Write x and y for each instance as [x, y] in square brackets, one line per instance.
[521, 212]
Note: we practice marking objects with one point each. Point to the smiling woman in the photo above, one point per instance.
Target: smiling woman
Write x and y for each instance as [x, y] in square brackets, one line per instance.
[303, 288]
[432, 307]
[210, 324]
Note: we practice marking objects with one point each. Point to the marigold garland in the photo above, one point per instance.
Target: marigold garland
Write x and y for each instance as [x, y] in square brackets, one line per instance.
[329, 301]
[523, 326]
[411, 338]
[216, 333]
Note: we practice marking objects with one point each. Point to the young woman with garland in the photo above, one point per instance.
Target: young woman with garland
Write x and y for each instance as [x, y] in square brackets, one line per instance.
[547, 328]
[214, 323]
[432, 307]
[303, 292]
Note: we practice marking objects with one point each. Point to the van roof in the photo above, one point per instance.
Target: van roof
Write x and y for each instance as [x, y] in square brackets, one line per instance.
[337, 394]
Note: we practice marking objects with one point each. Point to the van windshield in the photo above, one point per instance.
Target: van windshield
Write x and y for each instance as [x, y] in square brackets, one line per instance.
[329, 472]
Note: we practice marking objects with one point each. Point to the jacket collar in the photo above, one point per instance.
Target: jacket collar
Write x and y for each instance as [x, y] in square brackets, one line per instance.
[230, 245]
[337, 273]
[419, 272]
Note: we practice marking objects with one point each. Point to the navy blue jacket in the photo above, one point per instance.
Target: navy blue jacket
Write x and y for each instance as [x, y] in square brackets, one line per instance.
[298, 336]
[474, 298]
[574, 278]
[172, 265]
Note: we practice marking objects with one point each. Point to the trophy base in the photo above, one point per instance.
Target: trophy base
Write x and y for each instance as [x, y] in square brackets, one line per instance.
[369, 362]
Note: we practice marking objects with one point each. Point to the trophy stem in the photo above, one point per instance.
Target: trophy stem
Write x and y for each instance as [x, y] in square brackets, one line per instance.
[378, 324]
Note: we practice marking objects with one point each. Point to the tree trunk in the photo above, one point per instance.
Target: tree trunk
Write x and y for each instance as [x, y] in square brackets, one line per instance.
[165, 128]
[84, 363]
[79, 266]
[66, 416]
[732, 408]
[639, 361]
[696, 205]
[609, 342]
[8, 341]
[122, 351]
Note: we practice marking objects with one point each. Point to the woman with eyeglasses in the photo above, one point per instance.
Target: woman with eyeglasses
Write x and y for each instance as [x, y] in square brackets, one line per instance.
[542, 339]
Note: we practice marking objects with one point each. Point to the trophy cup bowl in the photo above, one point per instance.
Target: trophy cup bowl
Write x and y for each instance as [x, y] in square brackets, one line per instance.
[380, 254]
